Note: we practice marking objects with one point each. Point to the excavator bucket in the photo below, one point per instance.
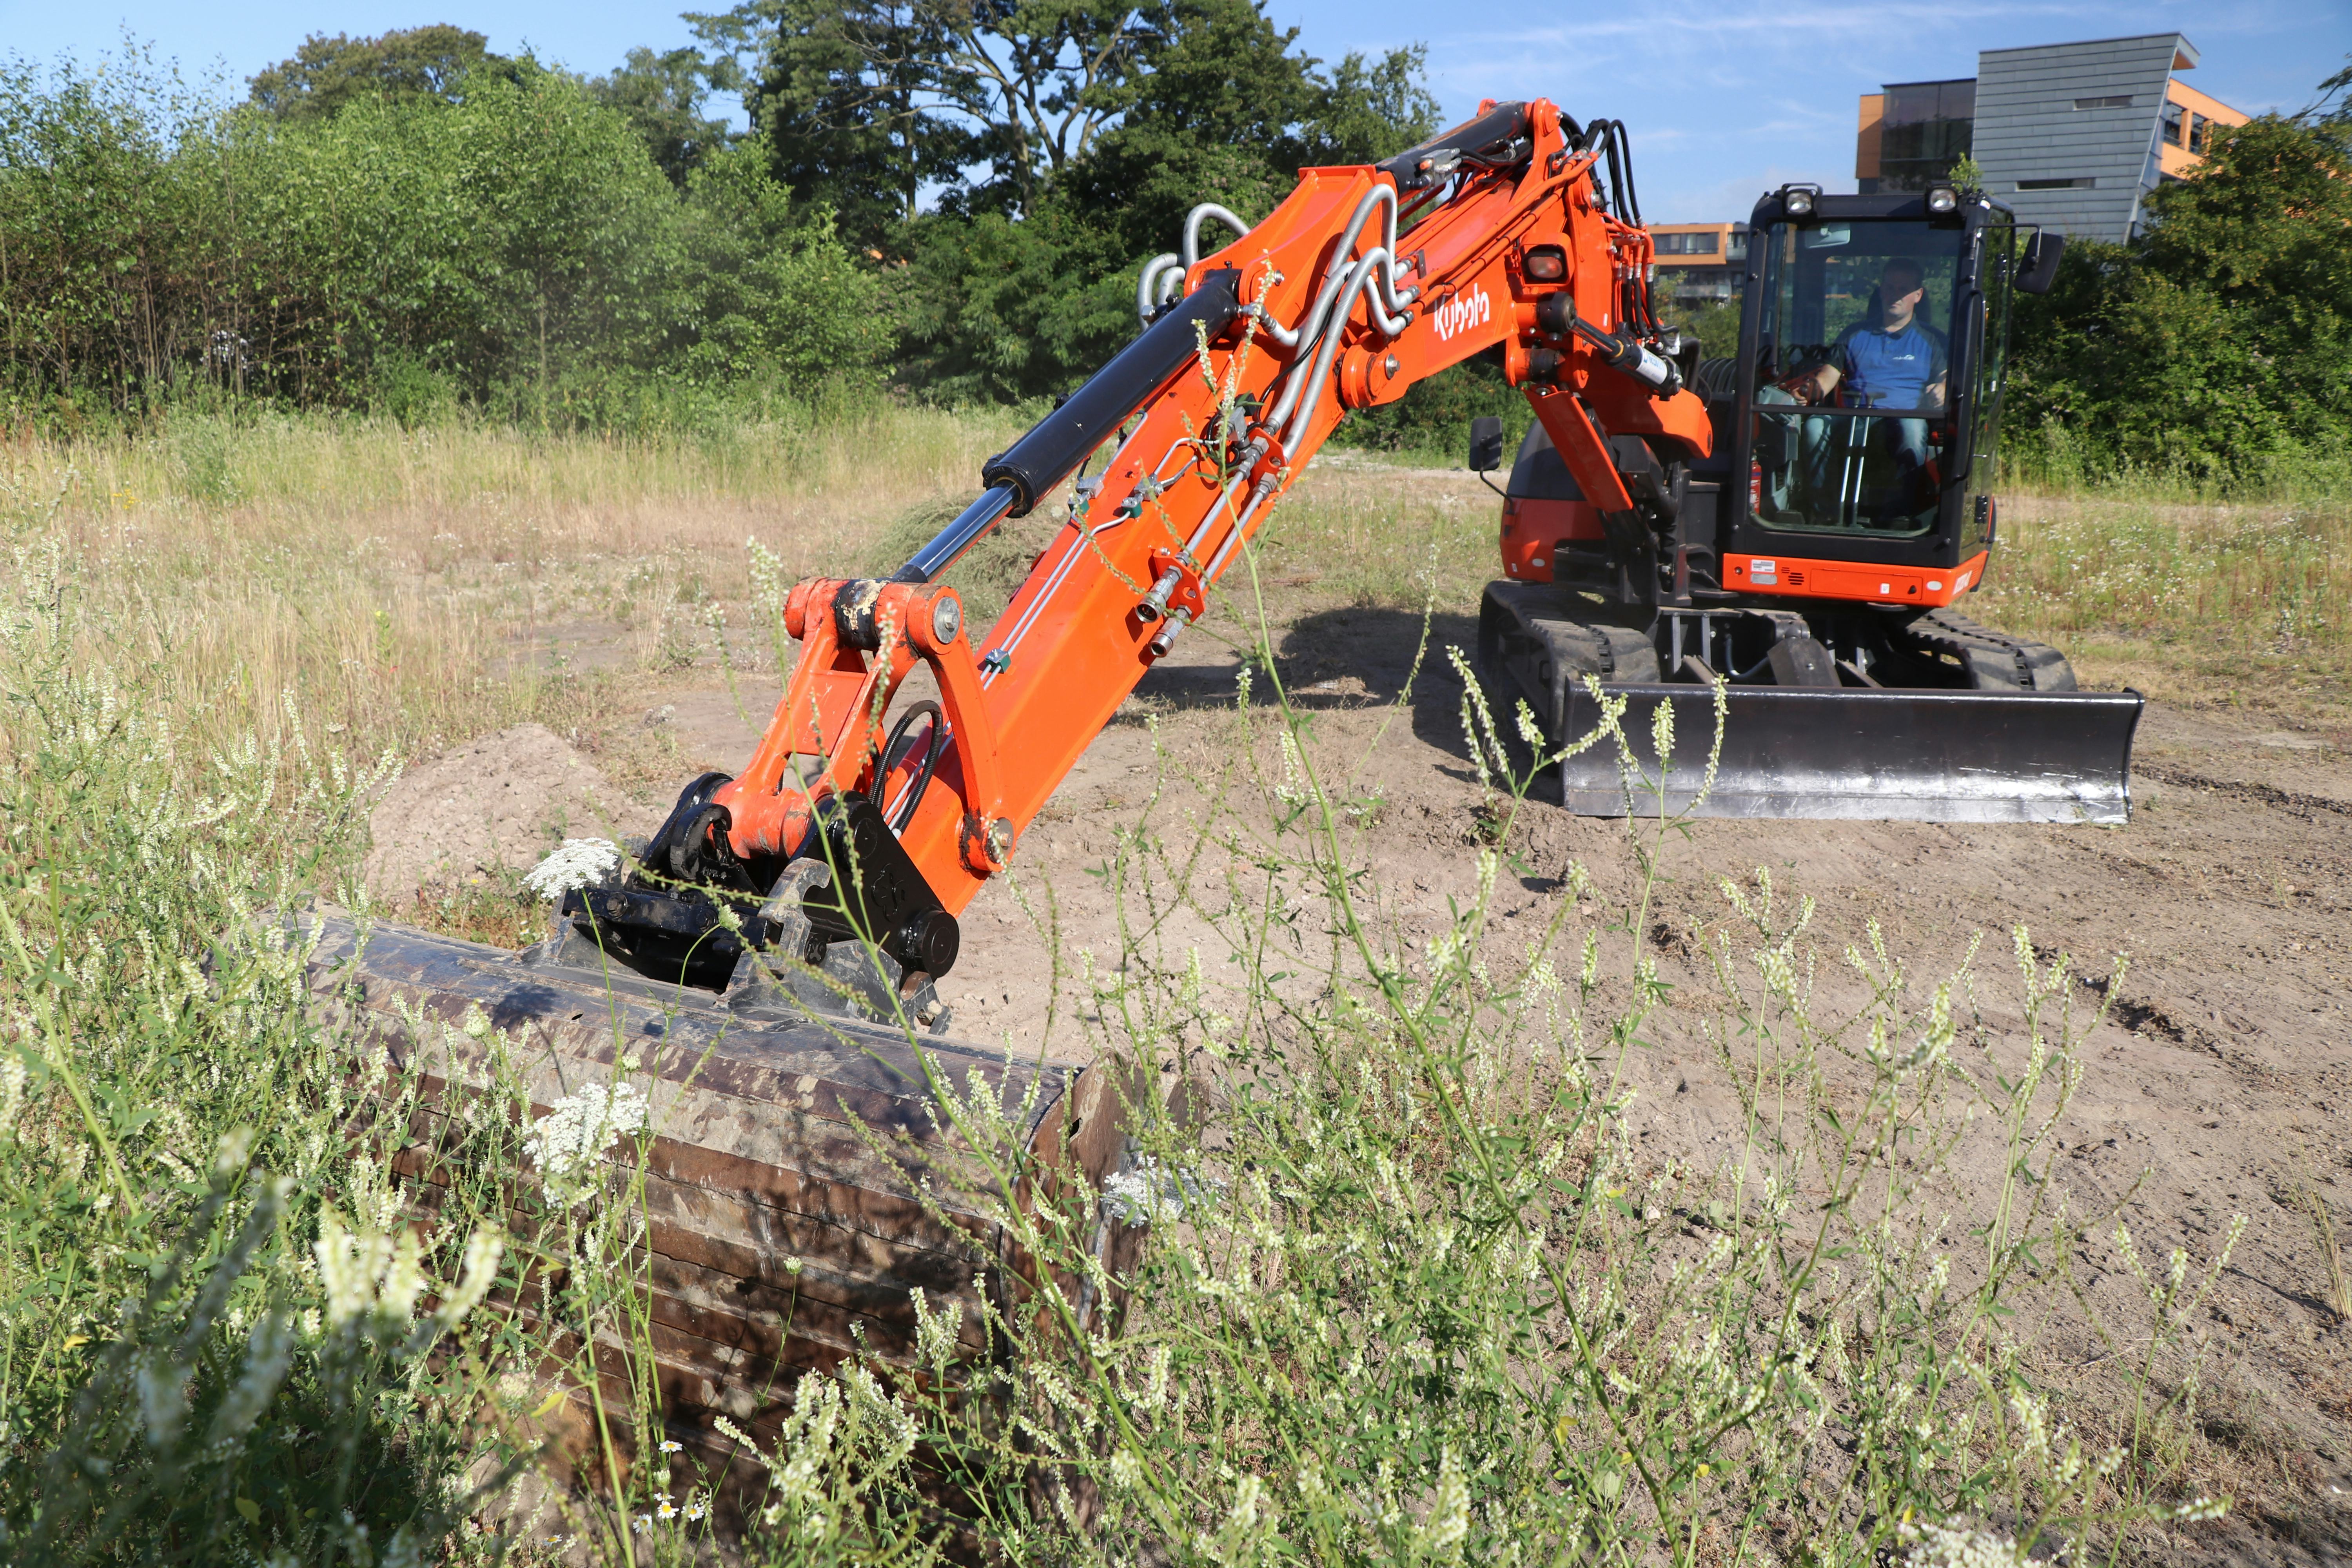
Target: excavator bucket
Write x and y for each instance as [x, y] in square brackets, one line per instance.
[802, 1179]
[1859, 754]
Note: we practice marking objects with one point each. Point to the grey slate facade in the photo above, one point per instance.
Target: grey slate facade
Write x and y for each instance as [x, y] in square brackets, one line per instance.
[2067, 134]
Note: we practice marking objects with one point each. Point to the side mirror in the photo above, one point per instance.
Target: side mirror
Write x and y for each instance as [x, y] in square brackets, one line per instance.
[1485, 444]
[2038, 269]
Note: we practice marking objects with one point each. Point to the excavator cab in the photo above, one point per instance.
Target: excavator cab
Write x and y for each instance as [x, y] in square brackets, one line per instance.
[1867, 387]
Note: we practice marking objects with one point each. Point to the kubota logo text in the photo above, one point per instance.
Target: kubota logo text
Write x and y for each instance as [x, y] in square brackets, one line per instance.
[1462, 312]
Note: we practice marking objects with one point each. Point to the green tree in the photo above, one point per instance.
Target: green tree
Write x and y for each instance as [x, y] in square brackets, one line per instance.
[767, 295]
[1228, 112]
[863, 100]
[662, 97]
[2222, 336]
[1063, 144]
[838, 91]
[327, 75]
[515, 245]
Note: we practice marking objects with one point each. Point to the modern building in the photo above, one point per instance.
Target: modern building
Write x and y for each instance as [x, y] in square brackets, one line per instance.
[1699, 263]
[2072, 136]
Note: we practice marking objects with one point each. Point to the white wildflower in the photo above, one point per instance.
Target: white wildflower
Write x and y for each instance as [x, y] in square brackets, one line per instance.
[367, 1274]
[935, 1330]
[1529, 731]
[1148, 1190]
[581, 1126]
[163, 1398]
[474, 1276]
[1957, 1546]
[1448, 1524]
[1293, 790]
[12, 1089]
[266, 1352]
[575, 863]
[1249, 1508]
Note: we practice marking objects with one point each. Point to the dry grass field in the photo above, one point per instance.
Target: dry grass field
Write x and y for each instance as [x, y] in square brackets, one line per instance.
[414, 592]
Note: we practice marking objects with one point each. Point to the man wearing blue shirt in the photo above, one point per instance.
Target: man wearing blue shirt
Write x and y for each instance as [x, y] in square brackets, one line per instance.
[1896, 361]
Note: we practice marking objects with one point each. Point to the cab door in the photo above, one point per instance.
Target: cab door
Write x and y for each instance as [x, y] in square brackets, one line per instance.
[1987, 379]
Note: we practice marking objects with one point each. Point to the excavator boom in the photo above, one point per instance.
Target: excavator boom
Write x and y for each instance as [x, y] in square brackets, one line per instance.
[1364, 282]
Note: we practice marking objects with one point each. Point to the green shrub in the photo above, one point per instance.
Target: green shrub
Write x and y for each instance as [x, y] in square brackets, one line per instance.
[515, 247]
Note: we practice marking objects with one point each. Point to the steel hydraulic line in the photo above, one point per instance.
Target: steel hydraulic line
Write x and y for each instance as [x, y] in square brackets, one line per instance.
[1378, 263]
[1154, 270]
[1321, 333]
[1296, 408]
[1078, 549]
[1192, 229]
[1388, 323]
[1151, 284]
[1318, 335]
[1311, 326]
[1070, 560]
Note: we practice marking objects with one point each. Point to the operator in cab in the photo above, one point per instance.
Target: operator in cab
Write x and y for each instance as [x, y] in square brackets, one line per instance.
[1895, 362]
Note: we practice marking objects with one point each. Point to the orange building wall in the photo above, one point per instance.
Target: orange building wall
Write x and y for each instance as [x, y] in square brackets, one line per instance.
[2178, 161]
[1722, 257]
[1870, 122]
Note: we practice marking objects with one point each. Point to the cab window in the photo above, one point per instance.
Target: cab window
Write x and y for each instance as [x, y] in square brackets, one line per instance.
[1852, 377]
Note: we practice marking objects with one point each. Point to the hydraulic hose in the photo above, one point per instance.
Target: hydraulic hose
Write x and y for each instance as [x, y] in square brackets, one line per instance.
[1146, 284]
[1192, 229]
[934, 744]
[1294, 406]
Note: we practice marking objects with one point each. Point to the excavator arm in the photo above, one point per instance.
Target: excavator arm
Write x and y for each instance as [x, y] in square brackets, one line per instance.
[1365, 280]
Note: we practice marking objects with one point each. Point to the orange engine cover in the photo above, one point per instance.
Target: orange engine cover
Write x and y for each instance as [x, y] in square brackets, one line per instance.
[1533, 529]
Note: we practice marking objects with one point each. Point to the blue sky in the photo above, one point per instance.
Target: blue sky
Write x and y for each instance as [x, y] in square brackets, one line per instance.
[1723, 99]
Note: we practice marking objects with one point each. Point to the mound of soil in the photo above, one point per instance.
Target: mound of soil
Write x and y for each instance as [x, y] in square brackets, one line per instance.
[497, 803]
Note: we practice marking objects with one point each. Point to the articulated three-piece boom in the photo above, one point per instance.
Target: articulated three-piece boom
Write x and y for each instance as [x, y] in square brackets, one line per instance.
[1237, 381]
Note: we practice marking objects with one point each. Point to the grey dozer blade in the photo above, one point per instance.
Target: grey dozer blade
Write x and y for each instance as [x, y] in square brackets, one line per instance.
[1864, 754]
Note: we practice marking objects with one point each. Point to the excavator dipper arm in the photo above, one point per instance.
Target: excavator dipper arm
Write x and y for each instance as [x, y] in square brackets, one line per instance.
[1365, 280]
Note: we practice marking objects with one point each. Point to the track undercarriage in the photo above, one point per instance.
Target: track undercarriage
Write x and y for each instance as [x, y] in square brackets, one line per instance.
[1856, 711]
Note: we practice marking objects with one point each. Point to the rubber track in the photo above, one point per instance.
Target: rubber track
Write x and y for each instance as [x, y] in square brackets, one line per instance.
[1949, 631]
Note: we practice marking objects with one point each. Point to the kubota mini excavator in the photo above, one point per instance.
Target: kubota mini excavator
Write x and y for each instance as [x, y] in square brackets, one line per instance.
[1796, 525]
[1772, 519]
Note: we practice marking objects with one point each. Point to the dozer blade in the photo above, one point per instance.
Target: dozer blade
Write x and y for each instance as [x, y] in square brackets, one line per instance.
[1868, 754]
[801, 1181]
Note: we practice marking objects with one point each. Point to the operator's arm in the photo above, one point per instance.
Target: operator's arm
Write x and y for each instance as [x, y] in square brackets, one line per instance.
[1931, 397]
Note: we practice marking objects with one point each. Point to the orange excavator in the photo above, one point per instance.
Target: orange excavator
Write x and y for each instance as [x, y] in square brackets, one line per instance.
[1791, 524]
[1783, 530]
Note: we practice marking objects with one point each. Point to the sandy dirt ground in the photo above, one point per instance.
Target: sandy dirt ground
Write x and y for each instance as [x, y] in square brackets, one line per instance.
[2218, 1085]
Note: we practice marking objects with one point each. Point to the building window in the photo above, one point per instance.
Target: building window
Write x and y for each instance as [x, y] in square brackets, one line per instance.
[1927, 126]
[2197, 126]
[2116, 101]
[2080, 182]
[1688, 244]
[2174, 128]
[1738, 249]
